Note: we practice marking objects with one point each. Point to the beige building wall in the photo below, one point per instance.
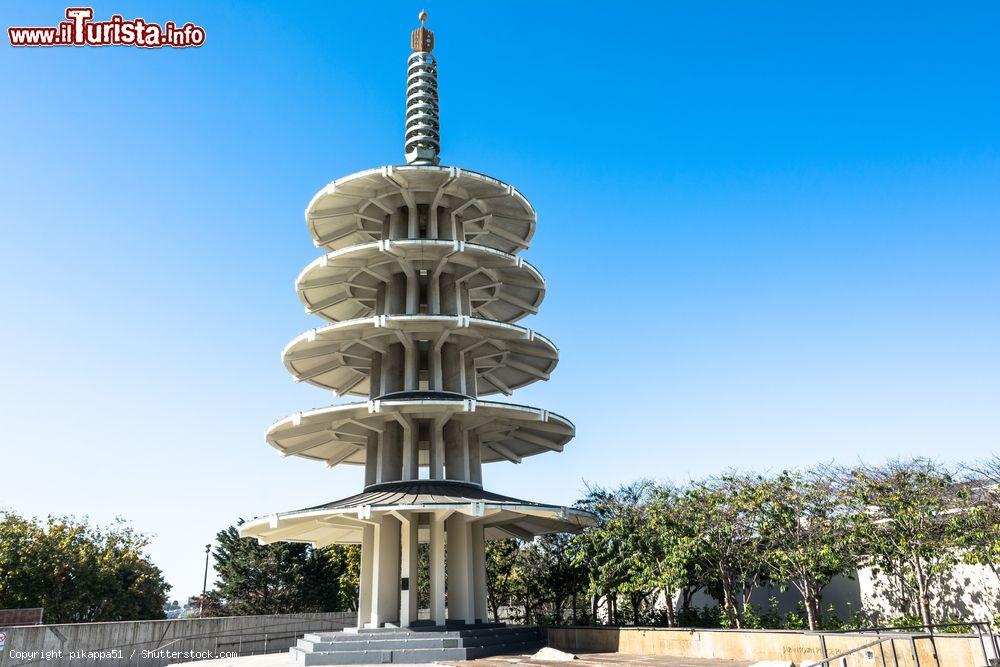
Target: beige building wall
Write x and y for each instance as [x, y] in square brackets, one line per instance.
[971, 592]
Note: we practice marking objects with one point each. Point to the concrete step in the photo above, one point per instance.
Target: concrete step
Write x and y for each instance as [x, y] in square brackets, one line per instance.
[415, 640]
[427, 625]
[410, 655]
[380, 644]
[377, 657]
[432, 632]
[415, 645]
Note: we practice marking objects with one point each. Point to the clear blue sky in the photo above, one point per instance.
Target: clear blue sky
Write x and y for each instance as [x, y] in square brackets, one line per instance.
[792, 208]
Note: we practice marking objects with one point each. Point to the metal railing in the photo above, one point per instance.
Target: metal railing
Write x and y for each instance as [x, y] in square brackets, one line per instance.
[891, 634]
[830, 660]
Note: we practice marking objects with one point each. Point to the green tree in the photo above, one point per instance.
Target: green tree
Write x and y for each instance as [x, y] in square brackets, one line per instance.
[257, 578]
[331, 577]
[805, 530]
[78, 572]
[612, 553]
[906, 521]
[551, 577]
[979, 536]
[503, 581]
[692, 553]
[668, 562]
[724, 517]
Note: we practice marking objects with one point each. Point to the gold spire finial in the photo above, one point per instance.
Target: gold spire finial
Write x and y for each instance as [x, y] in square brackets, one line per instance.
[422, 39]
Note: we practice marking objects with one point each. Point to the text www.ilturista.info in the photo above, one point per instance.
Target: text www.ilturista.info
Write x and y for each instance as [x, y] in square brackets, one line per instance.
[80, 30]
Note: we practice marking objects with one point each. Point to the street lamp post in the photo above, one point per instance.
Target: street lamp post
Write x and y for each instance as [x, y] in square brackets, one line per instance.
[204, 581]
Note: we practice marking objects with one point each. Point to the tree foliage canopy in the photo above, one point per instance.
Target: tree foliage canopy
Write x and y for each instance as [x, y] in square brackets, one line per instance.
[910, 521]
[77, 571]
[281, 578]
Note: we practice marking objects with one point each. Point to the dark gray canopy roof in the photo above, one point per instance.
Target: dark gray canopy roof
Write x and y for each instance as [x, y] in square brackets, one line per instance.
[340, 521]
[423, 492]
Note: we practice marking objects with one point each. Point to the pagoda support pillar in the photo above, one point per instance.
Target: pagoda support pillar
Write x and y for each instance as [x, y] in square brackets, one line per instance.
[469, 375]
[449, 295]
[410, 450]
[393, 369]
[408, 571]
[451, 368]
[455, 453]
[478, 554]
[460, 577]
[365, 576]
[371, 459]
[475, 458]
[385, 572]
[436, 567]
[437, 448]
[391, 453]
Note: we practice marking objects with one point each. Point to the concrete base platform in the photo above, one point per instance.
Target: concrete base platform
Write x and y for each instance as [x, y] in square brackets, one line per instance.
[414, 645]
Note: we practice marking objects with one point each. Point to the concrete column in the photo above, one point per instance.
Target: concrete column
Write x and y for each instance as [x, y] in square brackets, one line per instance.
[408, 572]
[393, 368]
[395, 295]
[398, 224]
[423, 294]
[449, 294]
[385, 573]
[475, 458]
[464, 299]
[470, 377]
[451, 368]
[432, 221]
[436, 569]
[386, 226]
[466, 475]
[477, 551]
[445, 226]
[434, 368]
[413, 221]
[375, 377]
[371, 459]
[412, 293]
[365, 576]
[460, 579]
[380, 300]
[436, 453]
[411, 452]
[411, 369]
[391, 458]
[454, 452]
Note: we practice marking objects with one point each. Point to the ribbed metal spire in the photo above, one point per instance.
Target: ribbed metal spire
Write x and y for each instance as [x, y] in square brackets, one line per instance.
[423, 129]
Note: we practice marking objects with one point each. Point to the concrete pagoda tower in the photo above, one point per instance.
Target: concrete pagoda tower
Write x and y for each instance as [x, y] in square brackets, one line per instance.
[421, 286]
